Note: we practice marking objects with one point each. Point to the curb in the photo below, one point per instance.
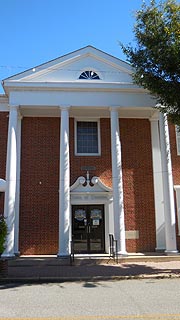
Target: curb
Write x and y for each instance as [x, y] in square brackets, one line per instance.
[92, 278]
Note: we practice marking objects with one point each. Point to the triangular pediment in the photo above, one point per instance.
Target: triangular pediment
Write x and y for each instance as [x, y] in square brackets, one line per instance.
[69, 67]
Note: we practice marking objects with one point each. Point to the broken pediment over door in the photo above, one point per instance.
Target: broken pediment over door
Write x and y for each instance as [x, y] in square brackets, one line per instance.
[86, 185]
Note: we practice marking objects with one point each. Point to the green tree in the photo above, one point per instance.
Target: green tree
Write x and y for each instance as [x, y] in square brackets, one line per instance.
[156, 55]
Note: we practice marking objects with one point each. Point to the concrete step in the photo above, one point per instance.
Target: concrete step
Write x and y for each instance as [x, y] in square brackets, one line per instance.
[45, 260]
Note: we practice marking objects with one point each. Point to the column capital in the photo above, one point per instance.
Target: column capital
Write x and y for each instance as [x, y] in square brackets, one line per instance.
[13, 107]
[20, 117]
[114, 108]
[64, 107]
[154, 117]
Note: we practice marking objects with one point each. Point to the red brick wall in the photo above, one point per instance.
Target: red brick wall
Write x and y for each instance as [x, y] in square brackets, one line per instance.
[138, 183]
[137, 176]
[39, 200]
[175, 167]
[40, 163]
[102, 163]
[3, 149]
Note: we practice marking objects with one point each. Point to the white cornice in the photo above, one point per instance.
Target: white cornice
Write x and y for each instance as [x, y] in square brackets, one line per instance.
[74, 86]
[3, 98]
[2, 185]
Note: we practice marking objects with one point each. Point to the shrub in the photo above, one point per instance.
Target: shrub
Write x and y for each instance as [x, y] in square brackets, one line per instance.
[3, 233]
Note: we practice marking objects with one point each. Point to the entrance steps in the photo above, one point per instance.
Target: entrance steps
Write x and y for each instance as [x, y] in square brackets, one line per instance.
[51, 268]
[94, 259]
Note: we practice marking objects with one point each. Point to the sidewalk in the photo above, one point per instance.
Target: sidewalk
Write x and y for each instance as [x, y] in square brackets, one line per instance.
[49, 269]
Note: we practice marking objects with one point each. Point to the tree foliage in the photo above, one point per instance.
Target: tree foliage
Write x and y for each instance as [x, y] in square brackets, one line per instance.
[156, 56]
[3, 233]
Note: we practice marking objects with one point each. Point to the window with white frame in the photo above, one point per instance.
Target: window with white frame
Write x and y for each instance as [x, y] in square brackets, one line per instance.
[178, 139]
[87, 137]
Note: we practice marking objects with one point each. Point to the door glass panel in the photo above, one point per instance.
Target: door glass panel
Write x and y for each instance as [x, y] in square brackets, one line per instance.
[80, 214]
[96, 214]
[79, 230]
[97, 231]
[88, 228]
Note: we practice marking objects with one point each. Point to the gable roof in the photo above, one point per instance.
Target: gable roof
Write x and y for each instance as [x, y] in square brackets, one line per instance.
[57, 63]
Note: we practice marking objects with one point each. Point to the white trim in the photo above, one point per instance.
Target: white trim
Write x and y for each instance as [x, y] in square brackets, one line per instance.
[117, 179]
[76, 86]
[4, 109]
[2, 185]
[108, 209]
[3, 99]
[90, 69]
[75, 136]
[11, 179]
[108, 217]
[177, 189]
[88, 51]
[168, 188]
[97, 186]
[4, 106]
[99, 193]
[177, 139]
[17, 201]
[158, 185]
[64, 190]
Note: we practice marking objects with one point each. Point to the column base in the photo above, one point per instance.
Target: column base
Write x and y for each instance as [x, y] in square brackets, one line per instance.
[160, 250]
[63, 256]
[122, 253]
[171, 252]
[17, 254]
[7, 255]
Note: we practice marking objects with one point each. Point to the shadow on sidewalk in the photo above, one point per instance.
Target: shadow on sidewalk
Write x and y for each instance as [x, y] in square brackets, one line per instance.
[90, 273]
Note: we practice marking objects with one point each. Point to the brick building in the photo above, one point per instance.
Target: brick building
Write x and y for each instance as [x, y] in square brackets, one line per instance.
[85, 154]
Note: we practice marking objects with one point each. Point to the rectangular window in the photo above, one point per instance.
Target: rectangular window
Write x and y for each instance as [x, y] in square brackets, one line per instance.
[178, 139]
[87, 138]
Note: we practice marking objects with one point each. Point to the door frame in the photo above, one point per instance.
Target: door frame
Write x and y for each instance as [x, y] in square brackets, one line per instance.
[108, 214]
[86, 228]
[82, 193]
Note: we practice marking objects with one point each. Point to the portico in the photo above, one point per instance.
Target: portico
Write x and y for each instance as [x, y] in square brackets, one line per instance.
[32, 97]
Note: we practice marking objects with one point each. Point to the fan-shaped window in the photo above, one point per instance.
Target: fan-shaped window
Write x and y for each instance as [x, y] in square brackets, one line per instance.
[89, 75]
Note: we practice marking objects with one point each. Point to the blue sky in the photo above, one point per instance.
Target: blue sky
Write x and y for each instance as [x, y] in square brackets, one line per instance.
[36, 31]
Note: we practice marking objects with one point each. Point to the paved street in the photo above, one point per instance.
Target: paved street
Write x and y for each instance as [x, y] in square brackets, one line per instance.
[126, 299]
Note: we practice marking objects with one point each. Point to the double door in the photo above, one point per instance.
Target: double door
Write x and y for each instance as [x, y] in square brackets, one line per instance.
[88, 228]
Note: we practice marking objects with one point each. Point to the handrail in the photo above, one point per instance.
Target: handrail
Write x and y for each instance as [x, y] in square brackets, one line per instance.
[72, 252]
[113, 249]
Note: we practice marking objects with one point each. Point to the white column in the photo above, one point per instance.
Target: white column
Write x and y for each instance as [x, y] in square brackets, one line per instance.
[118, 204]
[10, 194]
[158, 184]
[17, 202]
[64, 187]
[169, 206]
